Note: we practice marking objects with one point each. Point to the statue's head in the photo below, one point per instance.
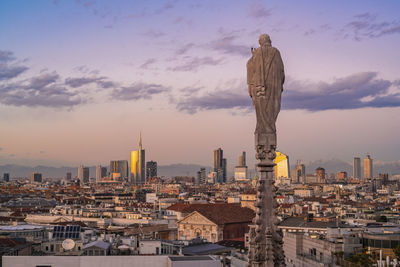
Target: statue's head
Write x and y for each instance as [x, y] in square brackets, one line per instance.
[264, 39]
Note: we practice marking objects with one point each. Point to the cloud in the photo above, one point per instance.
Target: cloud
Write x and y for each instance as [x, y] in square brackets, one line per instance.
[366, 26]
[138, 91]
[40, 90]
[354, 91]
[215, 100]
[185, 48]
[257, 10]
[78, 82]
[193, 64]
[9, 68]
[148, 62]
[225, 44]
[153, 33]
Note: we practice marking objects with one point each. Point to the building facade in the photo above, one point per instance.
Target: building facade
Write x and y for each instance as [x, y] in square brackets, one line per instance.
[36, 177]
[138, 170]
[368, 170]
[357, 168]
[220, 165]
[151, 169]
[119, 170]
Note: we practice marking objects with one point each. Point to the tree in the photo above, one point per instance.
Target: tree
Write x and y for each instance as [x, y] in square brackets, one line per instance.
[396, 252]
[361, 259]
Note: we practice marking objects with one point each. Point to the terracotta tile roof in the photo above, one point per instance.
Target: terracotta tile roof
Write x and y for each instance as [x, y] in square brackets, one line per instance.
[218, 213]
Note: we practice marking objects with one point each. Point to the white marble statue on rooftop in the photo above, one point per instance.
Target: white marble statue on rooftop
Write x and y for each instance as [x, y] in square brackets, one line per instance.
[265, 78]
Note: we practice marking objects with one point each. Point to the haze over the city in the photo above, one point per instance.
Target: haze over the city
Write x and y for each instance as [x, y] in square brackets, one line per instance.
[79, 80]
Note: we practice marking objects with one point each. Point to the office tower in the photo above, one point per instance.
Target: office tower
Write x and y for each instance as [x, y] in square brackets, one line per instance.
[98, 173]
[138, 171]
[282, 166]
[201, 176]
[36, 177]
[299, 173]
[320, 173]
[151, 169]
[368, 171]
[220, 165]
[341, 176]
[83, 174]
[357, 168]
[242, 159]
[103, 172]
[241, 168]
[119, 169]
[69, 176]
[6, 177]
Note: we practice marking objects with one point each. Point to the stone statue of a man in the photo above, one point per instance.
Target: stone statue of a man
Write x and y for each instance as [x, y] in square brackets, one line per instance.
[265, 78]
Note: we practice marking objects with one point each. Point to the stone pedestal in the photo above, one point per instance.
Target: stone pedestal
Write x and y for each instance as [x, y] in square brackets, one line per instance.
[265, 238]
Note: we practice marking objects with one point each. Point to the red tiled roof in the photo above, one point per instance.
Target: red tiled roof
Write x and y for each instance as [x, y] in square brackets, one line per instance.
[218, 213]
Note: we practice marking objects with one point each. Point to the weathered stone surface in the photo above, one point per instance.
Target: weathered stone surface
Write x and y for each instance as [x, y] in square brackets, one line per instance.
[265, 78]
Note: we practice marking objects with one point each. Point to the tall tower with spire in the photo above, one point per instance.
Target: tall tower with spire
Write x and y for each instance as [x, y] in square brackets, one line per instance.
[138, 168]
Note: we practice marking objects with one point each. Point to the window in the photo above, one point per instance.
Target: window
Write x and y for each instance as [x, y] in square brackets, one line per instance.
[157, 250]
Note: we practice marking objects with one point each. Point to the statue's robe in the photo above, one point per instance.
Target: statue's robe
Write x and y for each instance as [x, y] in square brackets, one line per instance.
[265, 78]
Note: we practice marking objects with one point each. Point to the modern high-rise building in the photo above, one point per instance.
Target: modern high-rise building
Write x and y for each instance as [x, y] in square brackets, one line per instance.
[151, 169]
[69, 176]
[98, 173]
[201, 176]
[138, 168]
[241, 169]
[282, 166]
[357, 168]
[103, 172]
[220, 165]
[119, 170]
[320, 173]
[299, 173]
[36, 177]
[368, 167]
[83, 174]
[6, 177]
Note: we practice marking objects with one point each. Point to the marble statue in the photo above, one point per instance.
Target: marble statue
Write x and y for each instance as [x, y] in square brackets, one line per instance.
[265, 78]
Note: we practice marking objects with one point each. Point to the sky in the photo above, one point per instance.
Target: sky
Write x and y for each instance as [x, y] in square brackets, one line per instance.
[79, 80]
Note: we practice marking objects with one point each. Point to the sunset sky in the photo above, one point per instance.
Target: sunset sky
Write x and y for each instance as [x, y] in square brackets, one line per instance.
[79, 80]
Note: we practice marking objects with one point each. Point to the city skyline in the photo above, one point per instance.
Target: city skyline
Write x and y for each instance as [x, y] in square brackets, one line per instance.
[162, 69]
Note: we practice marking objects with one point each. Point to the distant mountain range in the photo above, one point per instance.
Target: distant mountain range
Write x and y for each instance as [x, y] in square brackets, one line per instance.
[331, 166]
[336, 165]
[59, 172]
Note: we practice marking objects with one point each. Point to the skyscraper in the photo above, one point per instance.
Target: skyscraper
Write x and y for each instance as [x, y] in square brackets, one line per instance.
[368, 170]
[138, 171]
[69, 176]
[220, 165]
[98, 173]
[241, 169]
[119, 169]
[357, 168]
[151, 169]
[201, 176]
[320, 172]
[6, 177]
[36, 177]
[282, 166]
[83, 174]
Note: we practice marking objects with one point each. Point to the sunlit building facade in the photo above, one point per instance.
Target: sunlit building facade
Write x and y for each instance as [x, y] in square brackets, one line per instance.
[138, 167]
[368, 171]
[281, 167]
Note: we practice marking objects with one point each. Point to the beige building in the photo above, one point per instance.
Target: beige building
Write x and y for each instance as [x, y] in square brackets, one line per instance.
[213, 222]
[248, 199]
[368, 171]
